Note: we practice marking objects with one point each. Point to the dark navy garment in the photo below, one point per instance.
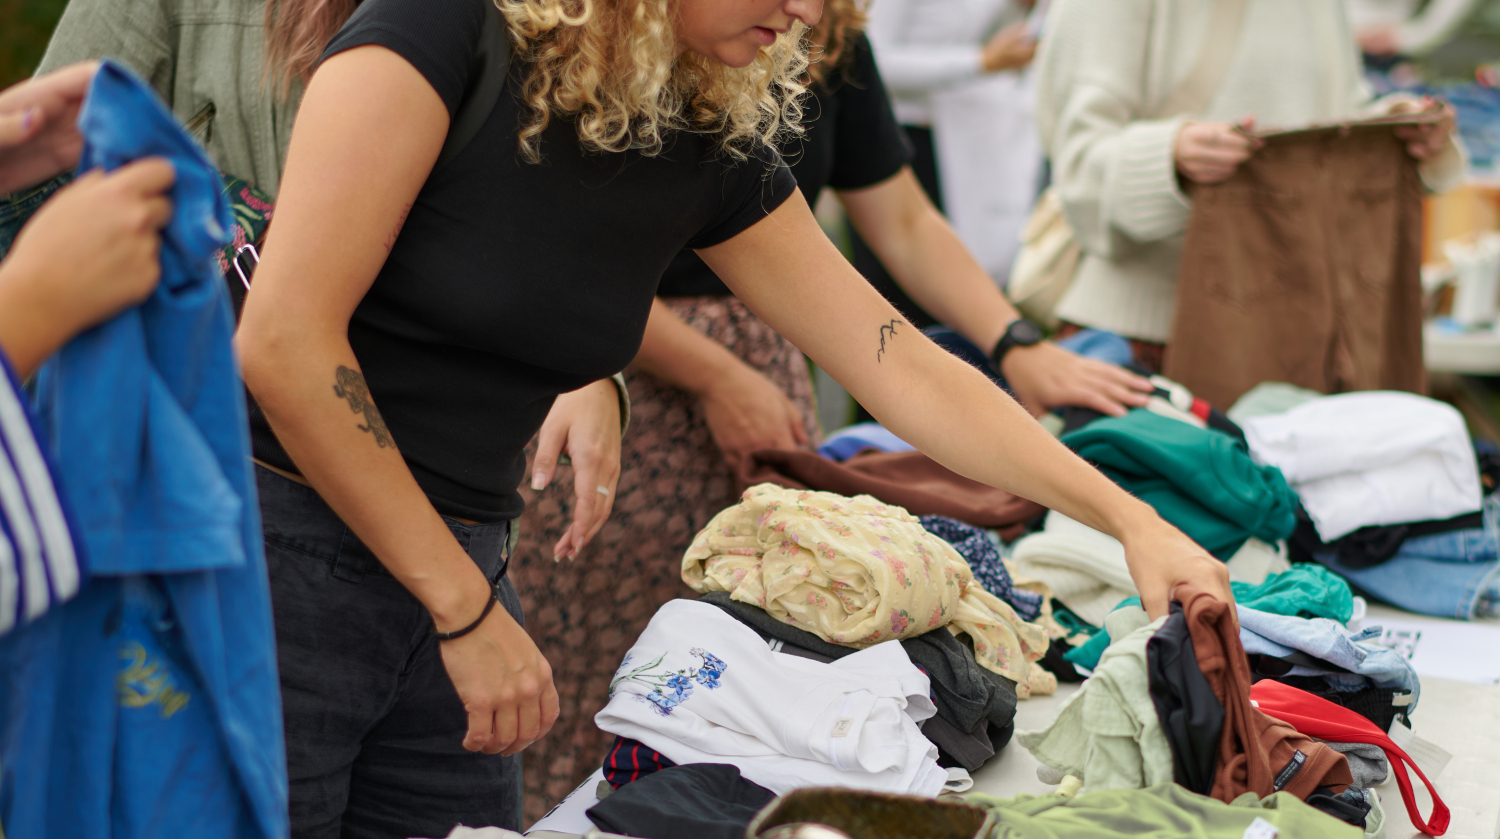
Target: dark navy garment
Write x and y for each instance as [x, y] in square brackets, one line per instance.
[148, 705]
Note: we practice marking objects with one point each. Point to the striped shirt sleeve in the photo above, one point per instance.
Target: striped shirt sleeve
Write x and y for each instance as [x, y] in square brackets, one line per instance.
[40, 562]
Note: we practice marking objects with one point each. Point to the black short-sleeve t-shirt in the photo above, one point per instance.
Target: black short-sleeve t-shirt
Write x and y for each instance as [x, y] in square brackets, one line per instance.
[511, 281]
[851, 140]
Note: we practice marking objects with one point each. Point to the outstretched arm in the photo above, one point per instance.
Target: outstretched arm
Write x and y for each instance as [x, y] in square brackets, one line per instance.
[926, 257]
[788, 272]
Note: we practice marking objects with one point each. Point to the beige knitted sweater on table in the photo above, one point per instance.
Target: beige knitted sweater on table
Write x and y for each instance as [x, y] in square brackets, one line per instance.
[1106, 66]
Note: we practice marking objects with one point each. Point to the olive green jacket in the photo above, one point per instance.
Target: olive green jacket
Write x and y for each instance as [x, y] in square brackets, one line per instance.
[206, 58]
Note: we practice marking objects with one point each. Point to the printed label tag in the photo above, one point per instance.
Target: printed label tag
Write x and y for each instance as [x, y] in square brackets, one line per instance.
[1289, 771]
[1260, 829]
[843, 726]
[1429, 757]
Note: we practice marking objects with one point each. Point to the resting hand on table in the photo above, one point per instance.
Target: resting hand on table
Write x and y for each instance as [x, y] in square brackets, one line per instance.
[584, 425]
[1045, 376]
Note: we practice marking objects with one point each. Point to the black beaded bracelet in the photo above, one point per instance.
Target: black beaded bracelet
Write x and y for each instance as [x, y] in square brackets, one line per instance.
[488, 607]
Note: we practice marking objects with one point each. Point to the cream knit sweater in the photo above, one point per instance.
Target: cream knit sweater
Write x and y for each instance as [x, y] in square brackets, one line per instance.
[1106, 65]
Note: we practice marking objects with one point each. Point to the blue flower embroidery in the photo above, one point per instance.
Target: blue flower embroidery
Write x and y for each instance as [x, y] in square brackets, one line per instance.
[670, 688]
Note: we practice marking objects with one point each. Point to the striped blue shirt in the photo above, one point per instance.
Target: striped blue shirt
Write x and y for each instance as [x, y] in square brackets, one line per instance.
[40, 564]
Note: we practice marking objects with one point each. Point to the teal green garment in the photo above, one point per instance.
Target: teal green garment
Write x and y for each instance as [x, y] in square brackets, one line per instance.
[1202, 481]
[1306, 591]
[1164, 811]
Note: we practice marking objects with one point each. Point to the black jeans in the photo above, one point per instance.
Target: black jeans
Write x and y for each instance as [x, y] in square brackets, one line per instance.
[374, 728]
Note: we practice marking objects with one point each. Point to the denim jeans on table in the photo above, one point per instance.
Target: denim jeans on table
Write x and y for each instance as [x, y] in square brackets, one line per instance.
[1363, 663]
[1445, 574]
[374, 728]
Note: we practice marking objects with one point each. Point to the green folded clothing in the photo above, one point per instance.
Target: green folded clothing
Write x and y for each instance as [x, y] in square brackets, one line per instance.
[1200, 480]
[1164, 811]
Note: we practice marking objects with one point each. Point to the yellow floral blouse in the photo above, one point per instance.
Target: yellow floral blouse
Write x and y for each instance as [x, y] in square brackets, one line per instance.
[856, 571]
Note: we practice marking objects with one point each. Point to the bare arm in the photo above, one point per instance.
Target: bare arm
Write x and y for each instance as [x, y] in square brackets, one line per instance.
[745, 411]
[788, 272]
[367, 110]
[926, 257]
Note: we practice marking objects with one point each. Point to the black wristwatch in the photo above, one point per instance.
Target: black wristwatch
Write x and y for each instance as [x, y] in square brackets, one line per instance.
[1020, 333]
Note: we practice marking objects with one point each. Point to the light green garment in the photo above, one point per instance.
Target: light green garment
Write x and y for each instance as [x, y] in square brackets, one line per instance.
[1268, 398]
[195, 53]
[1162, 811]
[1108, 733]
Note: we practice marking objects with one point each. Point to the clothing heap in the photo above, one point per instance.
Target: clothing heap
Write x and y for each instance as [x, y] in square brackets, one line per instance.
[1392, 496]
[1171, 701]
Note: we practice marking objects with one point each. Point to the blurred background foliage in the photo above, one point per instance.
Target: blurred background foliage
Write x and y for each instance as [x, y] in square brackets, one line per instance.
[25, 26]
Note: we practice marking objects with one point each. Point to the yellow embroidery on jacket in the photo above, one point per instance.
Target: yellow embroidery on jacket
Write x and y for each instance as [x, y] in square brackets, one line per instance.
[145, 681]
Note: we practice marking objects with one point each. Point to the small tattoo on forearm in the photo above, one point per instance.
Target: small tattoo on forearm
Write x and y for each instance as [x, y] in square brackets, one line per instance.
[390, 241]
[350, 386]
[888, 328]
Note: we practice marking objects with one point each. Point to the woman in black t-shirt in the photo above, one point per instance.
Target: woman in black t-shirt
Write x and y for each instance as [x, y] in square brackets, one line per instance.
[713, 383]
[462, 298]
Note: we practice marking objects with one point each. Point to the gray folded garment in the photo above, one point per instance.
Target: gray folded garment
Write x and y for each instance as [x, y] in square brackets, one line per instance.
[1367, 763]
[977, 705]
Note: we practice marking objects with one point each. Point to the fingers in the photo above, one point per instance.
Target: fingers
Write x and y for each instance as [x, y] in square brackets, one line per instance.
[799, 429]
[19, 127]
[481, 727]
[145, 178]
[549, 444]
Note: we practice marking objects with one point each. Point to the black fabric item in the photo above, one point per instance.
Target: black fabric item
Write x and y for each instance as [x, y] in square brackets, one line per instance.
[1350, 806]
[511, 282]
[966, 694]
[1264, 666]
[1378, 705]
[1368, 547]
[964, 749]
[630, 760]
[696, 801]
[1191, 715]
[850, 140]
[1054, 663]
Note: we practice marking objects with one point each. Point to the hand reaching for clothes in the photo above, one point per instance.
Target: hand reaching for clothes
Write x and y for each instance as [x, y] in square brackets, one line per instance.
[1045, 376]
[584, 425]
[1210, 152]
[746, 411]
[1161, 558]
[39, 136]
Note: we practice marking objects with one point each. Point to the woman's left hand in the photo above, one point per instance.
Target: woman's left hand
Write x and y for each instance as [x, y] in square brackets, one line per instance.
[39, 136]
[584, 425]
[1045, 376]
[1427, 140]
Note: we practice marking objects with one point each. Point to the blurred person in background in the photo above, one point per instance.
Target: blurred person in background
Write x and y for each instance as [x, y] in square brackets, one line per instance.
[1125, 175]
[926, 48]
[1450, 37]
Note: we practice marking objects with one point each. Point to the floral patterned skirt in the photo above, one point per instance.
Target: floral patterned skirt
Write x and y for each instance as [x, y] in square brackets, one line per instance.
[586, 613]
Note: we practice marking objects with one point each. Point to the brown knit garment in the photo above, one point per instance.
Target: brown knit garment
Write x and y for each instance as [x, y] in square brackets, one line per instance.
[1304, 267]
[1257, 753]
[907, 479]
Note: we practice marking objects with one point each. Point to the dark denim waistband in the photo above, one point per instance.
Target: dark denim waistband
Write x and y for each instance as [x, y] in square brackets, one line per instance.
[294, 516]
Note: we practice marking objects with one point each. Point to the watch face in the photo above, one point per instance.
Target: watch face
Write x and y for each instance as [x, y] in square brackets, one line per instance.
[1025, 333]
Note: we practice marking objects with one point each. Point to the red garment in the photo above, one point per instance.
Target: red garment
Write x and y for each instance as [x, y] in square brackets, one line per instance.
[1317, 717]
[1257, 753]
[907, 479]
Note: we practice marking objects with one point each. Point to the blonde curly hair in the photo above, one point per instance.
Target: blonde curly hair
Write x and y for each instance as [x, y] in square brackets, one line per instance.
[615, 68]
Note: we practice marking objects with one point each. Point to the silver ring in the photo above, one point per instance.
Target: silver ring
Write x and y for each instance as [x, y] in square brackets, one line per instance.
[602, 489]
